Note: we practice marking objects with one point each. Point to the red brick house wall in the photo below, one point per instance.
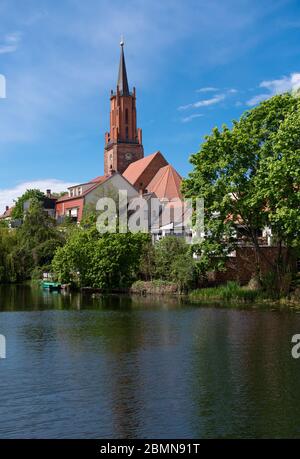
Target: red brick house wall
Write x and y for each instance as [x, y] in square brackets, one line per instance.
[242, 267]
[63, 207]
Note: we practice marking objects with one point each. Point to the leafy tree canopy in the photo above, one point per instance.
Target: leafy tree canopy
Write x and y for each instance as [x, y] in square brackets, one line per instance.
[31, 247]
[18, 211]
[107, 261]
[249, 175]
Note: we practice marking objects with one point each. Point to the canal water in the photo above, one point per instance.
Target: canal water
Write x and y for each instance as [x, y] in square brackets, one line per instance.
[119, 367]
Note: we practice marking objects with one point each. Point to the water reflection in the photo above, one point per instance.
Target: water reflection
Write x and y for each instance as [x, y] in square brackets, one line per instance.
[132, 368]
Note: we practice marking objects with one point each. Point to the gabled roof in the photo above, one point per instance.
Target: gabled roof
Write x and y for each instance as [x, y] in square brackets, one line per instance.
[7, 213]
[135, 170]
[94, 183]
[166, 183]
[98, 179]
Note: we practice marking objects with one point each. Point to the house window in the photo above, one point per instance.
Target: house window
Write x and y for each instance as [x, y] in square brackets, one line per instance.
[73, 214]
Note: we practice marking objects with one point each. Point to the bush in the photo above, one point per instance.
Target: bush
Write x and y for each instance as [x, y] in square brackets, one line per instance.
[107, 261]
[174, 262]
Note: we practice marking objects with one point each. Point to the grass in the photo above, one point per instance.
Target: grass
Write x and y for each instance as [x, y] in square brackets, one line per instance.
[232, 291]
[231, 294]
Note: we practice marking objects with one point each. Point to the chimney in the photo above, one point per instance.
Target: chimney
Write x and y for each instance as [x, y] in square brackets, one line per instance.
[48, 193]
[6, 208]
[141, 189]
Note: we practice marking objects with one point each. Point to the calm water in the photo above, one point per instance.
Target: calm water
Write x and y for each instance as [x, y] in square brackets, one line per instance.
[135, 368]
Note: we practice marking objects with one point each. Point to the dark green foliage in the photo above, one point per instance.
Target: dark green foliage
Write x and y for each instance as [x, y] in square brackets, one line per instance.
[108, 261]
[174, 262]
[36, 195]
[230, 292]
[250, 174]
[30, 247]
[8, 241]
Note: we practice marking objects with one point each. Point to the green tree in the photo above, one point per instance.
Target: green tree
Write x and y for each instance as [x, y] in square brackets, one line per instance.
[278, 183]
[249, 175]
[107, 261]
[174, 262]
[18, 211]
[37, 241]
[147, 261]
[165, 252]
[8, 241]
[183, 271]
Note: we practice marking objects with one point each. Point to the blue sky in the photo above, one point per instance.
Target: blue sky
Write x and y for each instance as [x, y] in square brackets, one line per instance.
[196, 64]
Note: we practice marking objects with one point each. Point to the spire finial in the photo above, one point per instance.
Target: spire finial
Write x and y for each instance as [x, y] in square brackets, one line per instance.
[122, 77]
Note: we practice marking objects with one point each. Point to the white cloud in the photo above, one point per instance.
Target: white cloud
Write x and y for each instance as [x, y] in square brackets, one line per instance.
[204, 103]
[187, 119]
[7, 196]
[257, 99]
[284, 84]
[2, 86]
[10, 43]
[207, 102]
[207, 89]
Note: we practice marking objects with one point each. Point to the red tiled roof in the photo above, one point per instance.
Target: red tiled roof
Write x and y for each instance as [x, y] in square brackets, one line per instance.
[7, 213]
[137, 168]
[99, 179]
[166, 183]
[94, 183]
[66, 197]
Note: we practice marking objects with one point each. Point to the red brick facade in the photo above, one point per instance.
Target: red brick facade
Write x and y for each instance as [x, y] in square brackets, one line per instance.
[123, 143]
[117, 157]
[63, 208]
[242, 267]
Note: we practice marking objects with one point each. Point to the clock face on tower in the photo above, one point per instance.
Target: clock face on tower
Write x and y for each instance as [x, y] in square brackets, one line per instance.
[128, 156]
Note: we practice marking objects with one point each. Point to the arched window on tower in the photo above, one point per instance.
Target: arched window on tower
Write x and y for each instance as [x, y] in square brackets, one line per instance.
[126, 116]
[126, 132]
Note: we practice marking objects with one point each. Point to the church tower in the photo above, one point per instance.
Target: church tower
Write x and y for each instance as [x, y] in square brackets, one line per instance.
[123, 144]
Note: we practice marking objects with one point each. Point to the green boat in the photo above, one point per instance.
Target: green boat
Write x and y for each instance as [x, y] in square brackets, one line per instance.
[51, 285]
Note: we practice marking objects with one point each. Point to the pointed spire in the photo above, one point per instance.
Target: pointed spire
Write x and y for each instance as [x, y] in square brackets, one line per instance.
[122, 77]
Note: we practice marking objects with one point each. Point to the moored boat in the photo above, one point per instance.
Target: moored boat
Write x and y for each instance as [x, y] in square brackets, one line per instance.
[51, 285]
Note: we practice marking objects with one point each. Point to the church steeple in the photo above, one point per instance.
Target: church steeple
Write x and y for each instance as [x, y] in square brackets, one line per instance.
[123, 142]
[122, 77]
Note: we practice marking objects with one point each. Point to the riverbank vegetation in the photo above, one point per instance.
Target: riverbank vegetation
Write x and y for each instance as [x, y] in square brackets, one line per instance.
[27, 251]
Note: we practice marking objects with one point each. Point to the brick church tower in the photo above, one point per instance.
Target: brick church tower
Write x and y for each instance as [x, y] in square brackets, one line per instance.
[123, 144]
